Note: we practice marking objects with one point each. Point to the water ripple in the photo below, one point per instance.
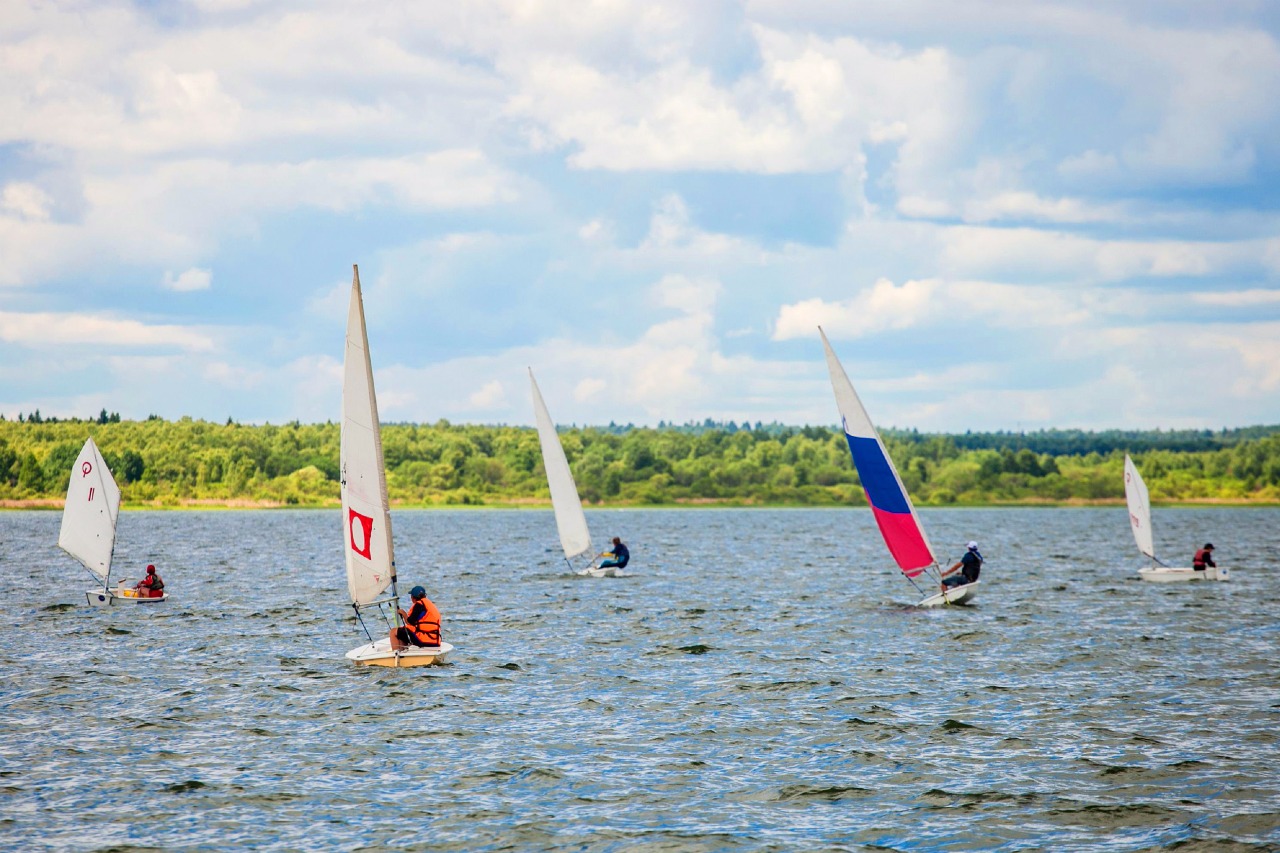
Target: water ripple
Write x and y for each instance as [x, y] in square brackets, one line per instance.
[759, 682]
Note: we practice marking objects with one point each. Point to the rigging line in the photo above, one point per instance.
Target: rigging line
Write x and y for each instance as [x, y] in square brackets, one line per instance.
[394, 611]
[356, 608]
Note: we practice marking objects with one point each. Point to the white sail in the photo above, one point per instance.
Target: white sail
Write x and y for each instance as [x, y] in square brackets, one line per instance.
[571, 521]
[89, 519]
[1135, 494]
[366, 516]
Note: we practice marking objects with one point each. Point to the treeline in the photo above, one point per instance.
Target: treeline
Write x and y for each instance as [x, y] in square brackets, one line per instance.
[177, 462]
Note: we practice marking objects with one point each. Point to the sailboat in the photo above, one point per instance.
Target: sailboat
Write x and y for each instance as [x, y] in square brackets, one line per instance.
[370, 553]
[571, 521]
[1139, 501]
[894, 513]
[89, 527]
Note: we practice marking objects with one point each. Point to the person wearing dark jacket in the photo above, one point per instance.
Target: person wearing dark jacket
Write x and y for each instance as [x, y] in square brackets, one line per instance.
[970, 566]
[617, 558]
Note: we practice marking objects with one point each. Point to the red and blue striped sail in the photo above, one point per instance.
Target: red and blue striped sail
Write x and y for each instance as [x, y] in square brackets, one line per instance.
[896, 517]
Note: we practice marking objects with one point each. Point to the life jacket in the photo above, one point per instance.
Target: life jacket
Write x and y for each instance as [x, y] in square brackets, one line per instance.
[156, 584]
[426, 629]
[1201, 560]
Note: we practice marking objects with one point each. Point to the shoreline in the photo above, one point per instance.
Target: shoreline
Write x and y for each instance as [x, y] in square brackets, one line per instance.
[184, 505]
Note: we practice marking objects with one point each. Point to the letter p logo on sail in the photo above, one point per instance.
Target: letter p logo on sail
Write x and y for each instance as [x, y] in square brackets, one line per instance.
[361, 530]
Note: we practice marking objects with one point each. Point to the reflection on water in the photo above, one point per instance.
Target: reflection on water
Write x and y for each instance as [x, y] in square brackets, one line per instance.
[759, 682]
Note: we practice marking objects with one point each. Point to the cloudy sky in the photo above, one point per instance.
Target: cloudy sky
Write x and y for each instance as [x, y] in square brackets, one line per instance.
[1004, 214]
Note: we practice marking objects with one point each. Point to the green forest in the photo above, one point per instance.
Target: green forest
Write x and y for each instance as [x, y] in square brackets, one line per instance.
[198, 463]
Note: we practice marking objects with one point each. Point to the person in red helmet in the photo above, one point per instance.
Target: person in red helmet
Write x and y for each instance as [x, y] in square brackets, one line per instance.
[151, 586]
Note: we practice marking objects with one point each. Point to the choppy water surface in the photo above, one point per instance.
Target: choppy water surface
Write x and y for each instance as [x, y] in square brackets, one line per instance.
[759, 682]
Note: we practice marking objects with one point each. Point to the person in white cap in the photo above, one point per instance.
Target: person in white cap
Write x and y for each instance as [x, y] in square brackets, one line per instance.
[970, 566]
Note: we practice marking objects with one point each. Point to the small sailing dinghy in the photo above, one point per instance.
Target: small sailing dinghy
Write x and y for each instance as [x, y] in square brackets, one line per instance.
[571, 521]
[1135, 494]
[89, 527]
[370, 555]
[894, 513]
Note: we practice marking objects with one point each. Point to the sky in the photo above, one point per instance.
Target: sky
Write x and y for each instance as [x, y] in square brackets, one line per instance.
[1005, 215]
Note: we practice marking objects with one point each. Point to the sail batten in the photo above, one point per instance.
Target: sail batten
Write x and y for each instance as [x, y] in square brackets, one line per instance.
[370, 555]
[890, 504]
[1139, 501]
[571, 521]
[89, 517]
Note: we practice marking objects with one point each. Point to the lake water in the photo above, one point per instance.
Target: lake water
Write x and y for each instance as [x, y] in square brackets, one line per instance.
[760, 682]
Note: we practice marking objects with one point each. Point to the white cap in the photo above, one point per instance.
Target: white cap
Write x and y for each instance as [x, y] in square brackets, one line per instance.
[973, 546]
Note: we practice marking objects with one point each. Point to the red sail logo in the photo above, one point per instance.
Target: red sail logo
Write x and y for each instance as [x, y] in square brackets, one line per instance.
[361, 529]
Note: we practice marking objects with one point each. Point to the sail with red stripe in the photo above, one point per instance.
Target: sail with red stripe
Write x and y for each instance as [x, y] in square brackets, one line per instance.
[894, 514]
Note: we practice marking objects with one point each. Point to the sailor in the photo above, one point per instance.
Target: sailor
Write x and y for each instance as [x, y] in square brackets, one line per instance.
[421, 623]
[970, 566]
[1204, 558]
[617, 558]
[151, 586]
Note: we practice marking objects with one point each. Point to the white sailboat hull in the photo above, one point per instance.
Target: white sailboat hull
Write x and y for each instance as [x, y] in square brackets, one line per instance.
[380, 653]
[607, 572]
[1170, 574]
[119, 595]
[952, 595]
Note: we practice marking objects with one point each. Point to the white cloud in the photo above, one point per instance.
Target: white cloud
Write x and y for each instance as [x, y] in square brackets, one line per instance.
[881, 307]
[192, 279]
[176, 212]
[26, 201]
[490, 396]
[596, 231]
[1019, 253]
[808, 107]
[233, 376]
[136, 149]
[1022, 205]
[1238, 298]
[46, 329]
[589, 389]
[671, 370]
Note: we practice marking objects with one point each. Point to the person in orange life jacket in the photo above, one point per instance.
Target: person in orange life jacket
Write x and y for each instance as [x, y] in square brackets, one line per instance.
[970, 566]
[618, 557]
[1204, 558]
[421, 623]
[151, 586]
